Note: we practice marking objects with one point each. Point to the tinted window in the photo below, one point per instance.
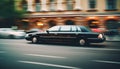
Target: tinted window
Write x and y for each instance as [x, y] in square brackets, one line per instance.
[85, 29]
[74, 28]
[65, 28]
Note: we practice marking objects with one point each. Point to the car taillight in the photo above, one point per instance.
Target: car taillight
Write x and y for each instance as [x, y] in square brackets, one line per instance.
[100, 36]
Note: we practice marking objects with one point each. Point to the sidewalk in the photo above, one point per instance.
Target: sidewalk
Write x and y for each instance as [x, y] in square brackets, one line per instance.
[113, 38]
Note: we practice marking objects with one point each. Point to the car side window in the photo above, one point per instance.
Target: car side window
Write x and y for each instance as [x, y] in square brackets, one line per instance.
[65, 29]
[54, 29]
[78, 29]
[74, 29]
[84, 29]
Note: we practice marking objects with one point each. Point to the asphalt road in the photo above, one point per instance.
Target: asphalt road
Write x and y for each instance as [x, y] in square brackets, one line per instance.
[21, 54]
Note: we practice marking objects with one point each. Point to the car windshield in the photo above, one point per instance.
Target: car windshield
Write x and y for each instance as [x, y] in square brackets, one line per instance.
[55, 28]
[85, 29]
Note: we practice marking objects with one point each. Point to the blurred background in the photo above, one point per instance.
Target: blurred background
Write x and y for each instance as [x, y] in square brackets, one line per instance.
[101, 16]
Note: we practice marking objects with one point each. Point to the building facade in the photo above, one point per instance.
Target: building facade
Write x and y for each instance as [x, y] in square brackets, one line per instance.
[47, 13]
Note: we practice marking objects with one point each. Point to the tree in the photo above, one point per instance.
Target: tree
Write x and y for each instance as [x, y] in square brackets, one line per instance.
[8, 13]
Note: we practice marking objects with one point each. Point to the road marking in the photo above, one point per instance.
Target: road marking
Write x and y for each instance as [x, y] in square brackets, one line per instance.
[45, 56]
[106, 49]
[47, 64]
[110, 62]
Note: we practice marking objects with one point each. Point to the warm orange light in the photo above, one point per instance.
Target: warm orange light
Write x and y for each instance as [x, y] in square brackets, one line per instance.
[95, 22]
[92, 17]
[39, 24]
[111, 17]
[25, 20]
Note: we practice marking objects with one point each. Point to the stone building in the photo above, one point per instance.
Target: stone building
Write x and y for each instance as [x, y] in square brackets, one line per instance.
[47, 13]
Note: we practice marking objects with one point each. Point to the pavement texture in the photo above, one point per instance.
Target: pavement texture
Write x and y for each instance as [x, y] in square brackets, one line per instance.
[112, 37]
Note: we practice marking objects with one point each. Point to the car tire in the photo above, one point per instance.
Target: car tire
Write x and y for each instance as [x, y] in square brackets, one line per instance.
[83, 42]
[11, 36]
[34, 40]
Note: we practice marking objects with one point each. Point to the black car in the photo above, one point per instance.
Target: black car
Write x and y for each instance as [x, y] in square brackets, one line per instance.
[67, 33]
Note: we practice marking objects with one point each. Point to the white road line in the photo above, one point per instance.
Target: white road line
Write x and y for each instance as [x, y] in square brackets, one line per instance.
[106, 49]
[47, 64]
[49, 56]
[110, 62]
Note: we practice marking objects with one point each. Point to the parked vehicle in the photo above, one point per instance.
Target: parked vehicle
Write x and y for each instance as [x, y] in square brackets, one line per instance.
[10, 33]
[98, 30]
[67, 33]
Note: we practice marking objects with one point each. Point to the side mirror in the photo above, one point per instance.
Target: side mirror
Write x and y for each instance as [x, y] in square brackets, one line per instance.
[47, 31]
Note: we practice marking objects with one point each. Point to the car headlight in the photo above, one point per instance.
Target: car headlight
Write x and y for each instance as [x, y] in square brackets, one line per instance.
[26, 35]
[100, 36]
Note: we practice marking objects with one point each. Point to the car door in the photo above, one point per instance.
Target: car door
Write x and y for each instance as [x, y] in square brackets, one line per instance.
[67, 34]
[50, 35]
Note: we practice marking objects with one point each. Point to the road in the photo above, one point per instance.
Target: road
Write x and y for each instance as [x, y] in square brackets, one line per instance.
[21, 54]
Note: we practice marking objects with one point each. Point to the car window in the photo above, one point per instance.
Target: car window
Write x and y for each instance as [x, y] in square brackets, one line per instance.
[74, 29]
[55, 28]
[78, 29]
[85, 29]
[65, 28]
[6, 29]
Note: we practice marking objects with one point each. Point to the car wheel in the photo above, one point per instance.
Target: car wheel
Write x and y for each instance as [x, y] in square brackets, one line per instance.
[11, 36]
[83, 42]
[34, 40]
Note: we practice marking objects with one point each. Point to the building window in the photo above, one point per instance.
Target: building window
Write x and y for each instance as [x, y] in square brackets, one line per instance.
[25, 25]
[51, 23]
[69, 22]
[37, 5]
[52, 5]
[111, 22]
[69, 4]
[92, 4]
[93, 23]
[24, 5]
[111, 4]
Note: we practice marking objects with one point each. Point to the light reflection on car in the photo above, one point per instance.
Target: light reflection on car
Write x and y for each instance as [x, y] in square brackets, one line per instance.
[67, 33]
[10, 33]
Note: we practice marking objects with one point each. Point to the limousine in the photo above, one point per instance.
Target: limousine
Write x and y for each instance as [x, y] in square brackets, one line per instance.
[77, 34]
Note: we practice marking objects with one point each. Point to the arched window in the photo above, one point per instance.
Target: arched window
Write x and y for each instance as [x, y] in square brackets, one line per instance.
[112, 24]
[51, 23]
[69, 22]
[24, 5]
[93, 23]
[37, 5]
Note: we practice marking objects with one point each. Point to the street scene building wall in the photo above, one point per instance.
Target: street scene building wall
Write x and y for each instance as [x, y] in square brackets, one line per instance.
[47, 13]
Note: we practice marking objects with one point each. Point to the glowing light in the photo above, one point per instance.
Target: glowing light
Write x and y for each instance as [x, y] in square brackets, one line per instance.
[110, 17]
[40, 24]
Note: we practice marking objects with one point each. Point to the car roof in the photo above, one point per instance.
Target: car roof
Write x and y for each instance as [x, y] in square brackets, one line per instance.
[71, 25]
